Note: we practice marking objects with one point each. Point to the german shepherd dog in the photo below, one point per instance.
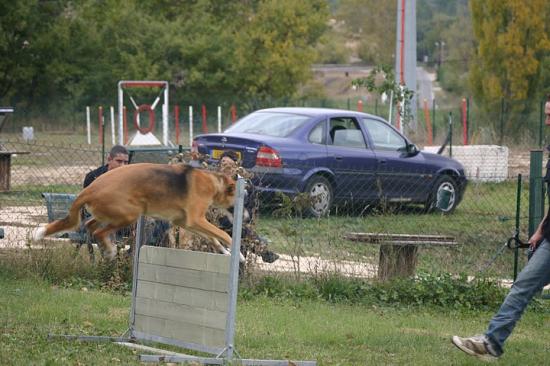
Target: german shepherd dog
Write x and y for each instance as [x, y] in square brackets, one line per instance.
[177, 193]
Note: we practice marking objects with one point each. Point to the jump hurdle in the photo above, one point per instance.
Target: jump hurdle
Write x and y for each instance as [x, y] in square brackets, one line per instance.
[186, 299]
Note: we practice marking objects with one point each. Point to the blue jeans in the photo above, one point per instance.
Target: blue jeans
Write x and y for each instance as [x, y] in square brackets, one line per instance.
[534, 276]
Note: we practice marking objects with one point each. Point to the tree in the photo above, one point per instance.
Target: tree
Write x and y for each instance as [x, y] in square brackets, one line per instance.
[512, 39]
[22, 28]
[371, 23]
[276, 46]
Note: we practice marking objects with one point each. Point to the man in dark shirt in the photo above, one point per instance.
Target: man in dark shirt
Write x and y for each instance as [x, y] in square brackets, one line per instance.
[118, 156]
[228, 164]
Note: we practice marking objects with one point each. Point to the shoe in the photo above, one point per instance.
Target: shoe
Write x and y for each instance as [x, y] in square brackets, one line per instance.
[478, 346]
[269, 257]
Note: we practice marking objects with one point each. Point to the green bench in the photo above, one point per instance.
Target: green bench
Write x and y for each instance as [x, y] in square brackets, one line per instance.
[57, 207]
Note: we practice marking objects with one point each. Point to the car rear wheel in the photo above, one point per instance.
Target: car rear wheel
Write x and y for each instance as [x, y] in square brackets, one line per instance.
[444, 196]
[321, 193]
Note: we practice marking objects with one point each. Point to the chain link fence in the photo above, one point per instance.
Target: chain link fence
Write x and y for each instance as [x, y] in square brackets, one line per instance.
[321, 227]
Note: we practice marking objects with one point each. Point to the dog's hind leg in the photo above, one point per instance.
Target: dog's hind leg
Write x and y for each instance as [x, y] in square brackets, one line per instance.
[108, 249]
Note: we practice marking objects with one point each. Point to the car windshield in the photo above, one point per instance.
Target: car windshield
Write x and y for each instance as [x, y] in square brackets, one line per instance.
[269, 123]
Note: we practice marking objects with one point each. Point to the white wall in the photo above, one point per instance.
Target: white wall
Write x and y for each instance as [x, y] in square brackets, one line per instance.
[483, 163]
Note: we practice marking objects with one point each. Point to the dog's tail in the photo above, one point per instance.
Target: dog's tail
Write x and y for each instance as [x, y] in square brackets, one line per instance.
[71, 221]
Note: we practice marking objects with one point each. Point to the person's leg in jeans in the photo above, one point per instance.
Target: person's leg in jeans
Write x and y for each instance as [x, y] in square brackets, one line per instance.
[534, 276]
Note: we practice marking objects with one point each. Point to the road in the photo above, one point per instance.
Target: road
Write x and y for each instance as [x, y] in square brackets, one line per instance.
[425, 88]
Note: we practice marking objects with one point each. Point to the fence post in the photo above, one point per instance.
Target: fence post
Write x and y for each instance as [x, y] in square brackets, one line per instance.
[464, 123]
[518, 213]
[501, 121]
[541, 123]
[125, 125]
[468, 118]
[190, 126]
[536, 191]
[219, 119]
[450, 134]
[88, 127]
[113, 125]
[233, 113]
[204, 122]
[429, 131]
[177, 123]
[434, 134]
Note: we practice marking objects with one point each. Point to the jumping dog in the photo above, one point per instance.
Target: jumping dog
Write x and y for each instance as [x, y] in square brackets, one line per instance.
[177, 193]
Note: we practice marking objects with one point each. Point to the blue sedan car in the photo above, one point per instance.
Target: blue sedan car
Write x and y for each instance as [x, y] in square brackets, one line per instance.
[337, 156]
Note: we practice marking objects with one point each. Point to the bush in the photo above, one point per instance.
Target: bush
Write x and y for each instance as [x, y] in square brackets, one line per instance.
[443, 290]
[65, 267]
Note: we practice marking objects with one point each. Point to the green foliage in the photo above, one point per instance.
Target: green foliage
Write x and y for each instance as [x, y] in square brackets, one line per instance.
[66, 267]
[381, 80]
[445, 290]
[64, 55]
[371, 25]
[512, 38]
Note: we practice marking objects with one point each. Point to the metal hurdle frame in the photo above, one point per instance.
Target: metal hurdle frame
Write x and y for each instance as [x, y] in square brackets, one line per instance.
[223, 356]
[164, 85]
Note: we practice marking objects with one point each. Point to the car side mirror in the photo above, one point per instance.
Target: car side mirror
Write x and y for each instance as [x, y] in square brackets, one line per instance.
[412, 149]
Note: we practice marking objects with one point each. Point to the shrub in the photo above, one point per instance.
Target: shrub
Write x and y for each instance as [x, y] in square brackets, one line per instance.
[443, 290]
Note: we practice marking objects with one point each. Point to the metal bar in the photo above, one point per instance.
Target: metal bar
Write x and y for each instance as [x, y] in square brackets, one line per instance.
[140, 235]
[220, 361]
[234, 270]
[190, 126]
[541, 122]
[142, 347]
[165, 108]
[450, 134]
[143, 84]
[518, 203]
[89, 338]
[88, 126]
[156, 149]
[120, 114]
[113, 125]
[174, 342]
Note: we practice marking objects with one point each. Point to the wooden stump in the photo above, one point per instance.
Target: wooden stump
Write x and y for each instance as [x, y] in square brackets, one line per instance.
[397, 261]
[5, 171]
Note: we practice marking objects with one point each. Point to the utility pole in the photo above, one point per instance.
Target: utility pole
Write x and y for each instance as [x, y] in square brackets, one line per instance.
[405, 51]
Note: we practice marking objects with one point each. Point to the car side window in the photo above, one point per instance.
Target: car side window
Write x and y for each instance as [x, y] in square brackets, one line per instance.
[346, 132]
[383, 136]
[316, 136]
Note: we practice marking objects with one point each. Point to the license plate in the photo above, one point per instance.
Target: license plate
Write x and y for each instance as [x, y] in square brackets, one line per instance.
[217, 153]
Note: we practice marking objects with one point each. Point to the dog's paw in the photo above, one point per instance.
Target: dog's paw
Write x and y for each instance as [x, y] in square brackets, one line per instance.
[109, 254]
[39, 233]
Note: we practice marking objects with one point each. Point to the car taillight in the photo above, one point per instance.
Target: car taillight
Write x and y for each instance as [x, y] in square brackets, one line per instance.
[268, 157]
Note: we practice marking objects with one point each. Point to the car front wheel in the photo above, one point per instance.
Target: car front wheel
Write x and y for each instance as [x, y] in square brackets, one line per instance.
[320, 192]
[444, 196]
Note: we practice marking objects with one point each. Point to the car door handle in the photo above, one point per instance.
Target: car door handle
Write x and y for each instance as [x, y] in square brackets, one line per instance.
[382, 161]
[338, 157]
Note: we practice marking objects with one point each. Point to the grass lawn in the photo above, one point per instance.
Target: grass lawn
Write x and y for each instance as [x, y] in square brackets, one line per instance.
[333, 334]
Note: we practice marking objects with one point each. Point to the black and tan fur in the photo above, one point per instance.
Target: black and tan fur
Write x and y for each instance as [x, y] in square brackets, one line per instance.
[177, 193]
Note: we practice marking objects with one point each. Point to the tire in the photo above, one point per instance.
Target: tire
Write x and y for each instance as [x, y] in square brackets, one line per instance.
[321, 191]
[445, 185]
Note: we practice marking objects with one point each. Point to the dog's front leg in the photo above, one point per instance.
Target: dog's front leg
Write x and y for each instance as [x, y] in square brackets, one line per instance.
[204, 228]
